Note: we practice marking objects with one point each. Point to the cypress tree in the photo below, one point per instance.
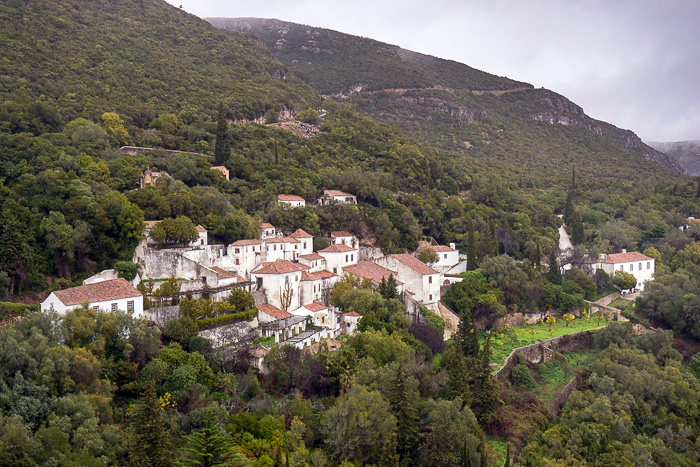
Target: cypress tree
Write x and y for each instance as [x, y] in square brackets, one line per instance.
[576, 228]
[389, 456]
[471, 248]
[554, 274]
[222, 148]
[508, 456]
[150, 437]
[406, 414]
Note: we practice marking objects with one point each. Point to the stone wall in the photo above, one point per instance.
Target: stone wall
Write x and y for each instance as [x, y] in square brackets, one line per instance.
[368, 253]
[161, 316]
[512, 320]
[451, 320]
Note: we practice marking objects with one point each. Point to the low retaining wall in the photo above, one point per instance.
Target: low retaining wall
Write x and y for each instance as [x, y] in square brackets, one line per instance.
[161, 316]
[546, 351]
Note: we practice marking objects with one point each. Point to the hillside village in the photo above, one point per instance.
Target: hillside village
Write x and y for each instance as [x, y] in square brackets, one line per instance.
[289, 281]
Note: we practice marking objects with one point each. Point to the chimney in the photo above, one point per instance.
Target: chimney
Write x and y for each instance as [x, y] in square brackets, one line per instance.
[624, 250]
[452, 245]
[602, 257]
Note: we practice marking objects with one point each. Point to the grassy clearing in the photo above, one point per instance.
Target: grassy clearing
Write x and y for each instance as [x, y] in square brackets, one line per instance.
[622, 304]
[555, 375]
[504, 341]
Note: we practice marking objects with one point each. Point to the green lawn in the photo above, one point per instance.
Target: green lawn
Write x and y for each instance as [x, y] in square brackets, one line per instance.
[622, 304]
[505, 340]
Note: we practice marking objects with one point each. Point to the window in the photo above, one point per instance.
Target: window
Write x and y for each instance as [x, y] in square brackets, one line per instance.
[640, 267]
[430, 297]
[430, 280]
[274, 247]
[352, 257]
[237, 262]
[237, 251]
[622, 267]
[130, 305]
[648, 264]
[114, 307]
[335, 270]
[445, 255]
[346, 258]
[304, 245]
[96, 308]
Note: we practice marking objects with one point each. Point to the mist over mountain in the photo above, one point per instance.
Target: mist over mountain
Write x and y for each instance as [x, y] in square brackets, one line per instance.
[687, 153]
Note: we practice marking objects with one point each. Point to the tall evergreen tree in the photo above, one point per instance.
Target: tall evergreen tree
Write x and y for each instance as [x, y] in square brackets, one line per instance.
[208, 447]
[554, 274]
[467, 337]
[403, 408]
[390, 457]
[222, 148]
[471, 248]
[576, 228]
[387, 288]
[150, 436]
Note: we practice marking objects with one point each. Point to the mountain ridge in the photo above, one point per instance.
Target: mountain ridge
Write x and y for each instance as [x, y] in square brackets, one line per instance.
[687, 153]
[441, 102]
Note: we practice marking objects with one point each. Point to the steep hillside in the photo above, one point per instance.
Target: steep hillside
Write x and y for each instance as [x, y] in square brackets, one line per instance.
[687, 153]
[454, 106]
[82, 58]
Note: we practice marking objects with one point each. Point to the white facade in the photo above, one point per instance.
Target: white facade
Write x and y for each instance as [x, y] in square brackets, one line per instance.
[291, 201]
[337, 196]
[420, 279]
[114, 295]
[635, 263]
[277, 279]
[245, 255]
[337, 257]
[448, 257]
[267, 231]
[314, 262]
[316, 286]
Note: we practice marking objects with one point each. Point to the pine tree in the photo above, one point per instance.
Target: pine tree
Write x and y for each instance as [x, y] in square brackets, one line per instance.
[389, 458]
[466, 455]
[467, 337]
[471, 248]
[222, 148]
[508, 456]
[576, 228]
[554, 274]
[406, 414]
[209, 447]
[387, 288]
[150, 437]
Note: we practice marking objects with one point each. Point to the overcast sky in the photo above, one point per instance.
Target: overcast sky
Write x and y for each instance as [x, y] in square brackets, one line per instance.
[633, 63]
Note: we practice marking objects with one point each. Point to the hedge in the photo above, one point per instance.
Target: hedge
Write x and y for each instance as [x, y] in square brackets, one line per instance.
[434, 320]
[219, 320]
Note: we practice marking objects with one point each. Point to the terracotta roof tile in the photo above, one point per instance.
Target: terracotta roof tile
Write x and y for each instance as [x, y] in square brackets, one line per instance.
[352, 313]
[311, 257]
[335, 193]
[201, 229]
[340, 233]
[98, 292]
[315, 276]
[414, 263]
[290, 198]
[282, 240]
[299, 233]
[371, 271]
[692, 219]
[337, 248]
[281, 266]
[625, 257]
[266, 225]
[223, 273]
[316, 307]
[274, 311]
[246, 242]
[441, 248]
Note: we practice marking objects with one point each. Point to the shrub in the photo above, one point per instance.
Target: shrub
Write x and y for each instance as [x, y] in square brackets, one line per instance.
[219, 320]
[522, 376]
[434, 320]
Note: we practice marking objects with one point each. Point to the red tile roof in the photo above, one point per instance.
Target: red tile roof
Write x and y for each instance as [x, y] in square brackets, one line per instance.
[201, 229]
[337, 248]
[150, 224]
[98, 292]
[281, 266]
[692, 219]
[371, 271]
[316, 307]
[311, 257]
[223, 273]
[341, 233]
[414, 263]
[315, 276]
[625, 257]
[265, 225]
[252, 241]
[240, 279]
[274, 311]
[299, 233]
[290, 198]
[441, 248]
[282, 240]
[352, 313]
[335, 193]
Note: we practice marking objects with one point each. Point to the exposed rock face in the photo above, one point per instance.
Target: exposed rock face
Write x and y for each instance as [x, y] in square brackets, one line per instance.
[687, 153]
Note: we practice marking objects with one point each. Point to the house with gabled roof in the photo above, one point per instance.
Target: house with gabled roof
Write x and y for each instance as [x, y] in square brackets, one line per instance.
[641, 266]
[292, 201]
[418, 278]
[316, 286]
[314, 261]
[373, 272]
[246, 254]
[111, 295]
[306, 242]
[322, 315]
[339, 237]
[349, 322]
[338, 256]
[337, 196]
[267, 230]
[281, 282]
[287, 248]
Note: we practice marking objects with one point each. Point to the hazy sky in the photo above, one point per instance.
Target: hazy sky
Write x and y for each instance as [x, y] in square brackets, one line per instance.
[633, 63]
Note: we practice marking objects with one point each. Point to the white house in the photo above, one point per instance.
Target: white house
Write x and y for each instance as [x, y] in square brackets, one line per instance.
[320, 313]
[316, 286]
[350, 322]
[418, 278]
[281, 281]
[291, 201]
[314, 261]
[341, 237]
[246, 254]
[306, 242]
[337, 196]
[111, 295]
[270, 313]
[287, 248]
[374, 272]
[267, 231]
[338, 256]
[637, 264]
[448, 256]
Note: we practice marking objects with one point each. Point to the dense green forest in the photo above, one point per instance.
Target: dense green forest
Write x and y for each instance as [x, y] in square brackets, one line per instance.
[95, 388]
